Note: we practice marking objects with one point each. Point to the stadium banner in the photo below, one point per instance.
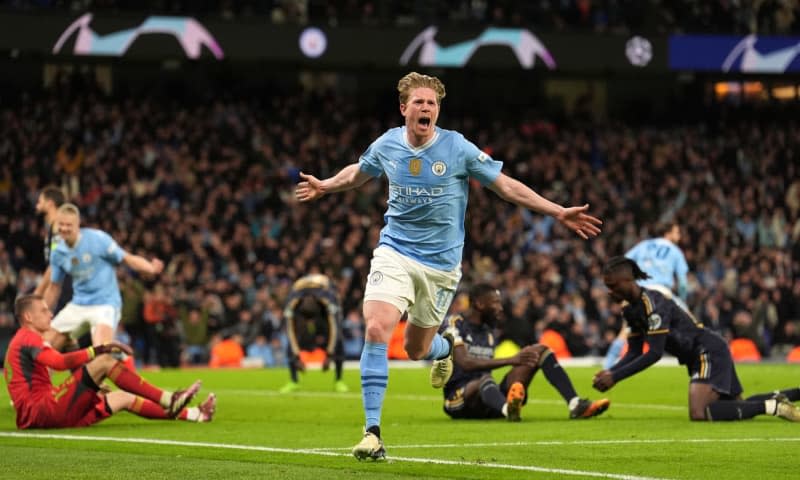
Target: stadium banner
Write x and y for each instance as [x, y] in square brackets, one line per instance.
[735, 54]
[160, 37]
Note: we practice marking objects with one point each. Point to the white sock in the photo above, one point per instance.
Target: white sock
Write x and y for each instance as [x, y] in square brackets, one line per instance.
[166, 398]
[573, 402]
[505, 410]
[771, 406]
[192, 414]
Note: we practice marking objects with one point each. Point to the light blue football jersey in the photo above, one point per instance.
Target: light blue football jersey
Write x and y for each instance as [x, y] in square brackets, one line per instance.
[663, 261]
[91, 264]
[428, 191]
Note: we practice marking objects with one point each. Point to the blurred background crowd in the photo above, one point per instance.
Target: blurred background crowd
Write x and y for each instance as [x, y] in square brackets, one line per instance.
[209, 189]
[615, 16]
[206, 183]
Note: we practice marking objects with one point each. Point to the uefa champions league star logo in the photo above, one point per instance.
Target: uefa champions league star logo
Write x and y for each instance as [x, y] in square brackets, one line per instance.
[753, 61]
[191, 34]
[521, 41]
[639, 51]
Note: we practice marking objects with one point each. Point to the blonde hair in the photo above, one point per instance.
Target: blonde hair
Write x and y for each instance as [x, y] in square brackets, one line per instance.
[416, 80]
[70, 208]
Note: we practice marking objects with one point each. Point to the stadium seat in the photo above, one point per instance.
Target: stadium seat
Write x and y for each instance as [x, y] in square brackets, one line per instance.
[556, 343]
[794, 355]
[313, 357]
[227, 353]
[397, 349]
[744, 350]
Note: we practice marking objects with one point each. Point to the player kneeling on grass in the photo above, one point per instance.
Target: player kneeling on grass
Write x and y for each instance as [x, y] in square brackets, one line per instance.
[78, 401]
[472, 392]
[667, 325]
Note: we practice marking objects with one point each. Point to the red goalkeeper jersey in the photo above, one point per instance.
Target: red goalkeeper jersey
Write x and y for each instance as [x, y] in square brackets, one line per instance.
[27, 360]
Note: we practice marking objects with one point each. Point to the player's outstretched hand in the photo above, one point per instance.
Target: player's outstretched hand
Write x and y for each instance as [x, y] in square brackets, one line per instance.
[158, 266]
[309, 188]
[112, 347]
[577, 220]
[603, 380]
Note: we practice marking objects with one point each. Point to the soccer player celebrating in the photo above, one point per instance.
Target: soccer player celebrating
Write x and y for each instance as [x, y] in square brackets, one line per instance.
[314, 320]
[78, 401]
[472, 391]
[667, 325]
[416, 266]
[89, 257]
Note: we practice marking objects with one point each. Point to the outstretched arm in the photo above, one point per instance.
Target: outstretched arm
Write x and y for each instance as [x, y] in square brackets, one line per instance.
[42, 287]
[574, 218]
[312, 188]
[143, 265]
[51, 293]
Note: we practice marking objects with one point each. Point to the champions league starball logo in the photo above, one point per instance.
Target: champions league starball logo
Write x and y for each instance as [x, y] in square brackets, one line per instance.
[190, 33]
[751, 59]
[525, 45]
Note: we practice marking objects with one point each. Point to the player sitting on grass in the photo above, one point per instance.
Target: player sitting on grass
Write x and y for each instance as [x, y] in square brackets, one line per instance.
[665, 323]
[78, 401]
[472, 392]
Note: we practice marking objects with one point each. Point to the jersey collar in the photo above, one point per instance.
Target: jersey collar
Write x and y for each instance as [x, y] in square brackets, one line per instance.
[422, 147]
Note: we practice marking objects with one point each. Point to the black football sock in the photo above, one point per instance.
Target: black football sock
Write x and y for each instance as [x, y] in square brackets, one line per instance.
[338, 363]
[793, 394]
[557, 377]
[491, 395]
[292, 371]
[734, 410]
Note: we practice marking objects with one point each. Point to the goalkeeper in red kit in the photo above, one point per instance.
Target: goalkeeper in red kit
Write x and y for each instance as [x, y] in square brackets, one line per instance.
[79, 401]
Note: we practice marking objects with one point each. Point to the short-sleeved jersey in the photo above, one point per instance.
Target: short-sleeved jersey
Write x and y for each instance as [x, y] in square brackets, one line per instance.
[479, 342]
[27, 376]
[320, 287]
[91, 265]
[428, 191]
[663, 261]
[666, 324]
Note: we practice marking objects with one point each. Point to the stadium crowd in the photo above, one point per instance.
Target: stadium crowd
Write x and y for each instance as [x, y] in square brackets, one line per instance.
[208, 188]
[617, 16]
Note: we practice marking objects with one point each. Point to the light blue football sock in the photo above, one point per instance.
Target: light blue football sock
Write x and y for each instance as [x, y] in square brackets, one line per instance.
[440, 348]
[374, 379]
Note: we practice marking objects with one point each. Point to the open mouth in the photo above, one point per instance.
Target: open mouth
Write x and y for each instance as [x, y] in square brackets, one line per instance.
[425, 122]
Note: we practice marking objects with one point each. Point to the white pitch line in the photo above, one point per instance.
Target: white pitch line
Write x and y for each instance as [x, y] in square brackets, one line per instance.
[427, 398]
[151, 441]
[583, 442]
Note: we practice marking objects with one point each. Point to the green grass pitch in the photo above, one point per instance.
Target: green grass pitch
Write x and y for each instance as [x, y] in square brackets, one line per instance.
[259, 433]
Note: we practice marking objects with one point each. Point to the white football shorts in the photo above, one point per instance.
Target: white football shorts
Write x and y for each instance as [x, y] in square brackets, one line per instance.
[73, 318]
[411, 286]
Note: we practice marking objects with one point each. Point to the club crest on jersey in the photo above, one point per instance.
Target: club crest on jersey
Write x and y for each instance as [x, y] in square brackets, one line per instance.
[438, 168]
[86, 258]
[654, 321]
[415, 166]
[375, 278]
